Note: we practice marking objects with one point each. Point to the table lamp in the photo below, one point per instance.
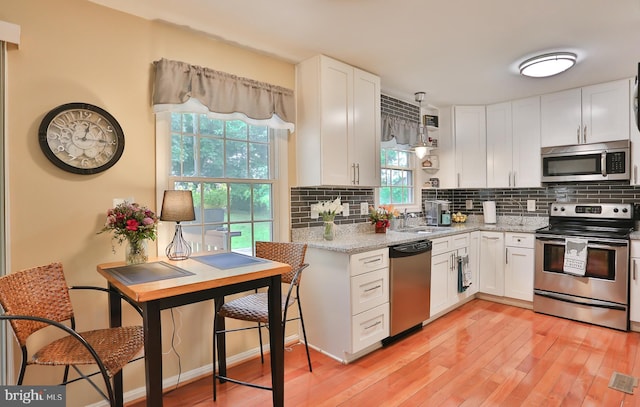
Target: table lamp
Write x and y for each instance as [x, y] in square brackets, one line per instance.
[177, 206]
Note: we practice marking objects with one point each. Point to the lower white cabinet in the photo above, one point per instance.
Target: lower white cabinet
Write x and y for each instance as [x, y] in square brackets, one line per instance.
[345, 301]
[519, 267]
[634, 282]
[507, 264]
[492, 263]
[444, 270]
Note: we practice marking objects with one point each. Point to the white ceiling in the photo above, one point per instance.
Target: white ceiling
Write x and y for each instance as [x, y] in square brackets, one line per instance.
[457, 51]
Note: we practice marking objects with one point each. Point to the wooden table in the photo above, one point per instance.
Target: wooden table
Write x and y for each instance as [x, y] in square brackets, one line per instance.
[204, 283]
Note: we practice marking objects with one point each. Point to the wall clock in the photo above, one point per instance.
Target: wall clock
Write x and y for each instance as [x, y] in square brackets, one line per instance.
[81, 138]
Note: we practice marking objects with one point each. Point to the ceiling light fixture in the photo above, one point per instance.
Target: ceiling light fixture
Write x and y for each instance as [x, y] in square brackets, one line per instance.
[548, 64]
[421, 148]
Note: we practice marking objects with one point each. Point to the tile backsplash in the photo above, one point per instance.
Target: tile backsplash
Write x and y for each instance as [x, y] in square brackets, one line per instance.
[510, 202]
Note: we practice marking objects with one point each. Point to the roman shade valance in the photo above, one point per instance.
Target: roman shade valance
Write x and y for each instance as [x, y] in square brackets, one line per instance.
[404, 131]
[222, 93]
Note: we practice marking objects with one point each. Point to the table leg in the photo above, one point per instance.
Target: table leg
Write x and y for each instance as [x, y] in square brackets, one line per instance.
[115, 320]
[222, 343]
[152, 353]
[276, 340]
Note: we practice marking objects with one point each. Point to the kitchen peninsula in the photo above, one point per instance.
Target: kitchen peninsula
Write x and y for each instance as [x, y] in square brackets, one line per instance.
[346, 287]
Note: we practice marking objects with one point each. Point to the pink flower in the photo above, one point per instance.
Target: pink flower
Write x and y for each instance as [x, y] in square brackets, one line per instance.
[148, 221]
[132, 225]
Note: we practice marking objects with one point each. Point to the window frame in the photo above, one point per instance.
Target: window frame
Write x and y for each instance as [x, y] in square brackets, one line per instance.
[164, 179]
[416, 206]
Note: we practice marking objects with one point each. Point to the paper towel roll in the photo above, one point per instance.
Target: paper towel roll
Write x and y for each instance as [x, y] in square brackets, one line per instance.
[489, 211]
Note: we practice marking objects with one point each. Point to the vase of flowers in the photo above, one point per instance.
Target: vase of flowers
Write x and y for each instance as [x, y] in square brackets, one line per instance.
[381, 217]
[135, 225]
[328, 211]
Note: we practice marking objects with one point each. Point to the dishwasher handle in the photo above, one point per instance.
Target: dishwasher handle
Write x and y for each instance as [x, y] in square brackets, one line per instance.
[410, 249]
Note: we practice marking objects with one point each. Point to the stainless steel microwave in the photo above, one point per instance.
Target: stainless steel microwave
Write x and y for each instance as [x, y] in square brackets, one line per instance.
[587, 162]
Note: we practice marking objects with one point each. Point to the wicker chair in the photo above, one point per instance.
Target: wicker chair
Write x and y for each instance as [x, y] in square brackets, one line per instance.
[254, 307]
[35, 298]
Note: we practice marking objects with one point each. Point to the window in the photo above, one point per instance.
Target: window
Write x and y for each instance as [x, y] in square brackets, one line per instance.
[397, 183]
[229, 167]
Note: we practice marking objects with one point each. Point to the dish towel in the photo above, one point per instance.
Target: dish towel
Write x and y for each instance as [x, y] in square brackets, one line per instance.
[575, 256]
[464, 273]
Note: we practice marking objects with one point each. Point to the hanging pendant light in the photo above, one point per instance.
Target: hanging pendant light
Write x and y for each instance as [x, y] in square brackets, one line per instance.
[421, 148]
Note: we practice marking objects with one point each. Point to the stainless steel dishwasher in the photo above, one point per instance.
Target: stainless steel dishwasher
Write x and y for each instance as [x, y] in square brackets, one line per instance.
[409, 287]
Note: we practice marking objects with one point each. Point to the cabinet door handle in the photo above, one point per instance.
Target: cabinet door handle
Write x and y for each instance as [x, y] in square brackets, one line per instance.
[353, 168]
[514, 178]
[635, 268]
[358, 172]
[584, 133]
[458, 175]
[635, 174]
[506, 255]
[372, 288]
[578, 134]
[372, 326]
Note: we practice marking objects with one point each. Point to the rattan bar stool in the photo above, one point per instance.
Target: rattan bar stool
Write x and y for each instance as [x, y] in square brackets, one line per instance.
[38, 297]
[254, 307]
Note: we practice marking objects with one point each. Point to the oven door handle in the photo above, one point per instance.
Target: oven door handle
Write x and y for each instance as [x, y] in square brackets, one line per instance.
[603, 163]
[593, 244]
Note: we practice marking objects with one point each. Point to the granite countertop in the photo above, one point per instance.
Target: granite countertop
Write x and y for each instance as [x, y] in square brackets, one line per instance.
[365, 239]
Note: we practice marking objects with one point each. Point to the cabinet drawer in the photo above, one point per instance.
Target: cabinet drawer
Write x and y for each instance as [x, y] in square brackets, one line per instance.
[369, 327]
[369, 290]
[526, 240]
[441, 245]
[368, 261]
[460, 241]
[635, 248]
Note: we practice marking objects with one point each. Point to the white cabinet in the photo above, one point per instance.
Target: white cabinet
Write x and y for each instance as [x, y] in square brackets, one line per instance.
[591, 114]
[507, 264]
[492, 263]
[446, 252]
[634, 136]
[499, 145]
[346, 301]
[634, 282]
[469, 129]
[519, 267]
[338, 124]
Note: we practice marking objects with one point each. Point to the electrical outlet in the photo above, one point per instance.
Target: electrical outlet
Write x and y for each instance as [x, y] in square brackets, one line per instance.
[314, 214]
[469, 204]
[345, 209]
[364, 208]
[531, 205]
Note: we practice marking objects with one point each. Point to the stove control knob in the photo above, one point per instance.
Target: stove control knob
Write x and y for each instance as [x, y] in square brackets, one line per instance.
[615, 210]
[625, 210]
[562, 209]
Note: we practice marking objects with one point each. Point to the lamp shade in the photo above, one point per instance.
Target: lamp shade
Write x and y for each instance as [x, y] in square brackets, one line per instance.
[177, 206]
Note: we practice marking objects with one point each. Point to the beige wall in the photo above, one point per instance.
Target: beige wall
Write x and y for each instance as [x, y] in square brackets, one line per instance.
[76, 51]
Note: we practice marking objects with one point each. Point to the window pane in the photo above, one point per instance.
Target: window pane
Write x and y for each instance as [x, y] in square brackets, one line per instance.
[259, 133]
[188, 123]
[211, 158]
[188, 156]
[211, 127]
[242, 238]
[262, 209]
[236, 129]
[262, 231]
[240, 201]
[216, 238]
[215, 202]
[236, 159]
[259, 161]
[193, 236]
[385, 196]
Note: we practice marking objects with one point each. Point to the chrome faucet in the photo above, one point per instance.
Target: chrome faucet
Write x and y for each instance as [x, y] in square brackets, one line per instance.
[521, 211]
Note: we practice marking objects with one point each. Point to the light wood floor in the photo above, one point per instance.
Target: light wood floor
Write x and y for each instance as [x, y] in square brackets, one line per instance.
[482, 354]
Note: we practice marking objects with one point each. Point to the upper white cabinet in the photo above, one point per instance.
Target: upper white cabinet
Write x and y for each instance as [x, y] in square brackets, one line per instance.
[513, 144]
[470, 134]
[586, 115]
[338, 124]
[634, 136]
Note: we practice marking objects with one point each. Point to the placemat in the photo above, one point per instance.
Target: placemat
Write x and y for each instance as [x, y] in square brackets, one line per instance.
[229, 260]
[147, 272]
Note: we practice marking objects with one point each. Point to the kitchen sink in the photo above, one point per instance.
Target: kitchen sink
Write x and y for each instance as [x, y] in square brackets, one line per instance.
[419, 229]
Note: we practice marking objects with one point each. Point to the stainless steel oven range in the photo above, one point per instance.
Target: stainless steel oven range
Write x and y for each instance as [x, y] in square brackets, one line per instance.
[599, 293]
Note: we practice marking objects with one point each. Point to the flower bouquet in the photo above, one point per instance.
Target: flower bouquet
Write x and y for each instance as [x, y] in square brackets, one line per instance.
[134, 224]
[381, 217]
[328, 211]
